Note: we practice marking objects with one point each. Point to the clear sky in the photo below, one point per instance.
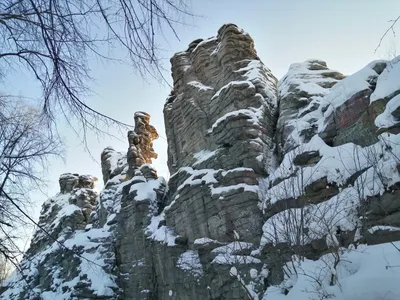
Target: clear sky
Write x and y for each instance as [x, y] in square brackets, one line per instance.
[344, 33]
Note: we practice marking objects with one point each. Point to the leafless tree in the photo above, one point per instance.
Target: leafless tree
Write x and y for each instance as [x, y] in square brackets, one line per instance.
[310, 229]
[26, 144]
[53, 39]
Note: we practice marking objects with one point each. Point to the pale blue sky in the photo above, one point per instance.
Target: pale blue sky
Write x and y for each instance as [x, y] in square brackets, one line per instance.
[344, 33]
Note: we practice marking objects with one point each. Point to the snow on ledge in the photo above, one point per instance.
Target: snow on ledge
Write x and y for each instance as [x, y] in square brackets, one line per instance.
[388, 81]
[163, 233]
[386, 119]
[383, 228]
[226, 259]
[254, 113]
[205, 240]
[226, 189]
[233, 83]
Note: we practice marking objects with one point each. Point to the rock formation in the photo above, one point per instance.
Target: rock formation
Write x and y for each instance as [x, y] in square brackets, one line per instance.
[140, 140]
[266, 177]
[220, 86]
[219, 123]
[300, 92]
[56, 266]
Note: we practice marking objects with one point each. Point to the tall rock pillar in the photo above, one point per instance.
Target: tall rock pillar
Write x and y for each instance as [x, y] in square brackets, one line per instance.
[219, 121]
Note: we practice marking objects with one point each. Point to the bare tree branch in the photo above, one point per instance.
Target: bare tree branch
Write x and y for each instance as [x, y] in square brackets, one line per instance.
[53, 39]
[26, 144]
[390, 29]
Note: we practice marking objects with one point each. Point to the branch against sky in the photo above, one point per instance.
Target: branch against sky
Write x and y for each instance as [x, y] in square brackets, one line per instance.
[26, 145]
[390, 29]
[53, 40]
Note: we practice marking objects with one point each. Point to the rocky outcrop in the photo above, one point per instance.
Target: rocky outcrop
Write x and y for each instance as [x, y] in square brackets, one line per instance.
[331, 177]
[300, 94]
[266, 177]
[69, 211]
[140, 140]
[220, 85]
[67, 256]
[350, 114]
[219, 120]
[163, 242]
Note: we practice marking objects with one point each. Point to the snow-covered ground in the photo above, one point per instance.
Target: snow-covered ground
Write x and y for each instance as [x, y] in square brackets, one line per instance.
[365, 273]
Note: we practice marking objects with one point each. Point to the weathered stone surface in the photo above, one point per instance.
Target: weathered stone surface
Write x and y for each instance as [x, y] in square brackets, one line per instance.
[112, 163]
[148, 172]
[381, 236]
[396, 113]
[258, 174]
[353, 121]
[219, 116]
[299, 94]
[382, 210]
[212, 80]
[307, 158]
[68, 182]
[140, 140]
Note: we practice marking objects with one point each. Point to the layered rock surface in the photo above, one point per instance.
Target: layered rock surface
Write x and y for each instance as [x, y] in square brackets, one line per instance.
[67, 258]
[337, 184]
[220, 121]
[140, 140]
[220, 86]
[300, 94]
[269, 180]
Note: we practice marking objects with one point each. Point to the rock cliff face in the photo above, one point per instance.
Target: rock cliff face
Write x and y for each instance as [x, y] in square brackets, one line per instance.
[270, 181]
[220, 121]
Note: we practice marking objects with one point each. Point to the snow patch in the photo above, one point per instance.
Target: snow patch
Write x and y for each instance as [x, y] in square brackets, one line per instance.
[388, 81]
[189, 261]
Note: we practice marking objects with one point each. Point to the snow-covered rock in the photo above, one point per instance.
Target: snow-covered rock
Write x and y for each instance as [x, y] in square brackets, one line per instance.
[300, 93]
[279, 190]
[67, 259]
